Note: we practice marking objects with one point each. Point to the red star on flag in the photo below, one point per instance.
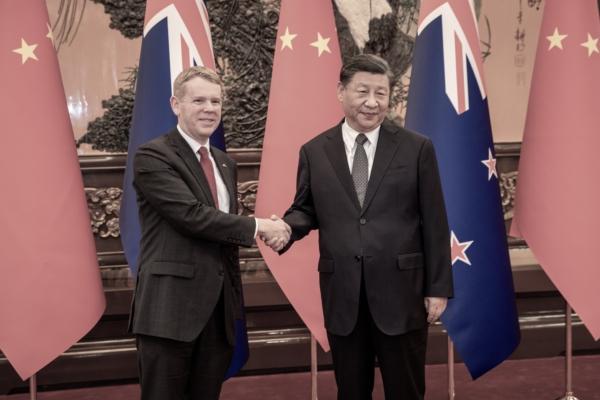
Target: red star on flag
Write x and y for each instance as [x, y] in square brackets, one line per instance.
[459, 249]
[490, 163]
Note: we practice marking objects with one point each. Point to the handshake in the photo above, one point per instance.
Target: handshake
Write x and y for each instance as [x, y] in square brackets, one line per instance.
[274, 232]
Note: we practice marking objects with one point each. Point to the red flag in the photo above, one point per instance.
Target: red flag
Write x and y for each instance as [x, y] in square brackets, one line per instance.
[302, 104]
[50, 289]
[558, 194]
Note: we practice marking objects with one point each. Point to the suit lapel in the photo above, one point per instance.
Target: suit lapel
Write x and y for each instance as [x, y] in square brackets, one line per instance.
[387, 145]
[337, 157]
[228, 177]
[187, 155]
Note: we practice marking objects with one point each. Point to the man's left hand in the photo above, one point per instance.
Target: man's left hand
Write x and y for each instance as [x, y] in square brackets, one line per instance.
[435, 306]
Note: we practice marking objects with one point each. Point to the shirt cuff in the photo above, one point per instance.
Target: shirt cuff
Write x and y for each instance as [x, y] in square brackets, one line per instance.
[255, 227]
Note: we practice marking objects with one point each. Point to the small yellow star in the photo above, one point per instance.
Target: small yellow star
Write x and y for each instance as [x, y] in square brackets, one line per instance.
[50, 34]
[556, 39]
[322, 44]
[591, 45]
[26, 51]
[286, 39]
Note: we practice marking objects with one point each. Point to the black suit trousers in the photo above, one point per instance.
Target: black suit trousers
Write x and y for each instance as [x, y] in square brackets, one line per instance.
[175, 370]
[401, 360]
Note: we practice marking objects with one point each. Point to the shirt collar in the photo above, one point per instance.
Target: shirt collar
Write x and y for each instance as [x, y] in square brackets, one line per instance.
[193, 143]
[349, 135]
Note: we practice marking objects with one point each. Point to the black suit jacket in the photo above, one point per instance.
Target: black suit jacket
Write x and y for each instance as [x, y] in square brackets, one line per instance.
[399, 239]
[189, 249]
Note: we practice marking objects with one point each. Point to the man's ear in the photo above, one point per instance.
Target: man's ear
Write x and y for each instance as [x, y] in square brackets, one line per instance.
[174, 105]
[340, 91]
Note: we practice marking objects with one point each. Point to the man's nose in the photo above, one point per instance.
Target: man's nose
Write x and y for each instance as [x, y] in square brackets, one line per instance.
[371, 101]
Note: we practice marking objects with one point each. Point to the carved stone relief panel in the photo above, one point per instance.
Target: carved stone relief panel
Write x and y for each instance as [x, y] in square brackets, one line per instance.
[247, 197]
[104, 205]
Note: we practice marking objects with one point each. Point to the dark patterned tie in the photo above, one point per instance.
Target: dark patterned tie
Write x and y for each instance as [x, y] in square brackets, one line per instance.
[360, 168]
[209, 173]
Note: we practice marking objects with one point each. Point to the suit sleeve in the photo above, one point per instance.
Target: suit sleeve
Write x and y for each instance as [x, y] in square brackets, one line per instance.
[301, 216]
[161, 185]
[434, 226]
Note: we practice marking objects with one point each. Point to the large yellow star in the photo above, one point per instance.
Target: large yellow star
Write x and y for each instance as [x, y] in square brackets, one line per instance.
[556, 39]
[50, 34]
[26, 51]
[286, 39]
[591, 45]
[322, 44]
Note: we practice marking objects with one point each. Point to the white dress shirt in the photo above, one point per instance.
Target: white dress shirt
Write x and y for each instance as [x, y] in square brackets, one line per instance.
[349, 135]
[222, 192]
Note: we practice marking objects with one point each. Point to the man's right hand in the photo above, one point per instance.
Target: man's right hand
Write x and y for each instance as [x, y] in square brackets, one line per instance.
[274, 232]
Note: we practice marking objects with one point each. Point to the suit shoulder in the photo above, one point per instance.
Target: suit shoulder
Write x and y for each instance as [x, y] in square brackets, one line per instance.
[155, 152]
[320, 139]
[159, 143]
[405, 134]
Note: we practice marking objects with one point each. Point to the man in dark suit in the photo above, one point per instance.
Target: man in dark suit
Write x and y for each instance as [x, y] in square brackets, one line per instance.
[373, 191]
[188, 289]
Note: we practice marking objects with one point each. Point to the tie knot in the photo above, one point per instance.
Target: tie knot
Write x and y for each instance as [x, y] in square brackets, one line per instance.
[203, 151]
[361, 138]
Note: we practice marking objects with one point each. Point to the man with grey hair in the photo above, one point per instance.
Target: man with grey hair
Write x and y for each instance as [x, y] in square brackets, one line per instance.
[373, 191]
[189, 291]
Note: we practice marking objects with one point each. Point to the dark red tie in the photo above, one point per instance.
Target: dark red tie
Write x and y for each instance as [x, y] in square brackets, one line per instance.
[209, 173]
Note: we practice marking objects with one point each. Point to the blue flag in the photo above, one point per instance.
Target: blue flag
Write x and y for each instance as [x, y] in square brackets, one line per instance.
[447, 102]
[176, 37]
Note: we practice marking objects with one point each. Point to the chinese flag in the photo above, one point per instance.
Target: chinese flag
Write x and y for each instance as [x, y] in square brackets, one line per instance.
[558, 193]
[50, 288]
[302, 104]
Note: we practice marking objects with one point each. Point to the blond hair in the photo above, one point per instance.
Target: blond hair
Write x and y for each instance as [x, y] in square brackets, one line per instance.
[194, 72]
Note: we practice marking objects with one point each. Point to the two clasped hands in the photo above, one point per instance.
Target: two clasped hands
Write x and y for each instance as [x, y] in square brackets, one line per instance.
[274, 232]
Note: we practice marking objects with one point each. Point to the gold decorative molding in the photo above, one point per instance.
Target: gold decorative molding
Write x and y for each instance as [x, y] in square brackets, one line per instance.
[508, 188]
[246, 197]
[104, 205]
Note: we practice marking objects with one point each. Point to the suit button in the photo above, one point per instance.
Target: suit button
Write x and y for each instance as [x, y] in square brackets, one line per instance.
[363, 221]
[357, 258]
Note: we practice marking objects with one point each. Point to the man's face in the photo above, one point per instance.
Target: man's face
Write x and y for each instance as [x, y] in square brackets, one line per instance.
[198, 109]
[365, 100]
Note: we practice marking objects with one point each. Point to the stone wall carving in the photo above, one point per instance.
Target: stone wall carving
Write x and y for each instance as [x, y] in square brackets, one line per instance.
[247, 197]
[127, 16]
[104, 205]
[243, 33]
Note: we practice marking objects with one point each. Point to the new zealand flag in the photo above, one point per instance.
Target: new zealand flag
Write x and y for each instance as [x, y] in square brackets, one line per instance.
[447, 102]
